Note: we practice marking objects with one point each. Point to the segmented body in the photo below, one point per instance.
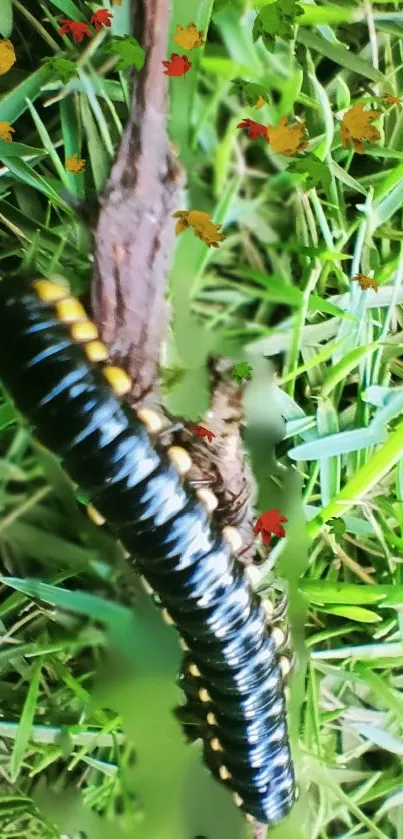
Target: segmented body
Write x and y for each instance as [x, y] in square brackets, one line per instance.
[57, 373]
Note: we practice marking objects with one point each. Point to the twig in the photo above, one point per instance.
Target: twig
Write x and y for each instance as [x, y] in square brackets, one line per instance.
[135, 230]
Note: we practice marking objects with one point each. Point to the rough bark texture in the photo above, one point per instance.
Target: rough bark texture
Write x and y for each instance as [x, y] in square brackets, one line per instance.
[135, 231]
[222, 462]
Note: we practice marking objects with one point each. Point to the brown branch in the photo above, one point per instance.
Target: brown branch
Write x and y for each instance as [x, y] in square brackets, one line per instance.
[222, 462]
[135, 230]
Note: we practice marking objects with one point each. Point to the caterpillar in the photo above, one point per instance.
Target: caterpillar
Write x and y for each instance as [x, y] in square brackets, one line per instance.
[56, 370]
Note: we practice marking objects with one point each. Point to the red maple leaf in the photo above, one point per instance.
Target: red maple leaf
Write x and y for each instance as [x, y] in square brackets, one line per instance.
[201, 431]
[76, 29]
[269, 523]
[255, 129]
[101, 18]
[177, 65]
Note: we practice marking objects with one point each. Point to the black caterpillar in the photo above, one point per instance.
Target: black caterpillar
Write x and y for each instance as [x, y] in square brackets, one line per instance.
[56, 370]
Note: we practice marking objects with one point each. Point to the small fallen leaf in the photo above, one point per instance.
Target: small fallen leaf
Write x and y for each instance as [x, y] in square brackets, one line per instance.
[101, 18]
[318, 173]
[201, 431]
[268, 524]
[177, 65]
[5, 132]
[338, 528]
[365, 282]
[392, 100]
[259, 104]
[62, 67]
[241, 371]
[276, 20]
[203, 226]
[76, 29]
[355, 127]
[130, 51]
[7, 56]
[75, 165]
[287, 139]
[249, 92]
[255, 129]
[188, 37]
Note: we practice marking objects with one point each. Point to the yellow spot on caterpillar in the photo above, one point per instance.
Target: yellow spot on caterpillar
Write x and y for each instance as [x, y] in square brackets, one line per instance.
[94, 515]
[167, 617]
[119, 381]
[238, 800]
[180, 458]
[183, 645]
[224, 774]
[287, 694]
[285, 666]
[48, 291]
[233, 537]
[84, 331]
[297, 793]
[278, 637]
[211, 718]
[96, 351]
[70, 310]
[147, 588]
[194, 670]
[204, 695]
[207, 497]
[150, 419]
[268, 607]
[216, 745]
[253, 574]
[249, 819]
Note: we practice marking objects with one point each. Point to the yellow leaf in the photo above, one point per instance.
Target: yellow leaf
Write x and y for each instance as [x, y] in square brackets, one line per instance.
[287, 139]
[188, 38]
[7, 56]
[74, 165]
[203, 227]
[366, 282]
[5, 132]
[392, 100]
[259, 104]
[356, 127]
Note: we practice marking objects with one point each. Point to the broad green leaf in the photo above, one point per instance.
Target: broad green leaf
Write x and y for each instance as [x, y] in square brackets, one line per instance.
[26, 720]
[337, 444]
[323, 592]
[353, 613]
[6, 18]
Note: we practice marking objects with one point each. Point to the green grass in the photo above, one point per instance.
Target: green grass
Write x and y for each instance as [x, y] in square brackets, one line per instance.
[86, 682]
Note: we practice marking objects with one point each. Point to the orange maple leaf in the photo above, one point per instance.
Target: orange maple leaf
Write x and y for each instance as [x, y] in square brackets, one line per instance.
[366, 282]
[7, 56]
[392, 100]
[101, 18]
[268, 524]
[178, 65]
[255, 129]
[202, 225]
[259, 103]
[287, 139]
[201, 431]
[75, 28]
[356, 127]
[5, 132]
[74, 164]
[188, 37]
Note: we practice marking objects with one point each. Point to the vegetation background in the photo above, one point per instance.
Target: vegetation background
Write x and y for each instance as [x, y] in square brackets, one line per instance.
[86, 682]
